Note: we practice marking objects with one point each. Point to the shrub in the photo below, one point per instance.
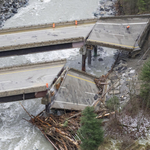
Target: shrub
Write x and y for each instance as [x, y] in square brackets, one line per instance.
[113, 103]
[145, 87]
[90, 133]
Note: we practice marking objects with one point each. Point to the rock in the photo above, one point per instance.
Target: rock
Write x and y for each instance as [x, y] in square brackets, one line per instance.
[95, 14]
[8, 16]
[101, 2]
[102, 13]
[100, 59]
[144, 58]
[96, 97]
[109, 4]
[132, 71]
[16, 5]
[124, 68]
[14, 10]
[113, 77]
[107, 8]
[102, 8]
[101, 49]
[110, 12]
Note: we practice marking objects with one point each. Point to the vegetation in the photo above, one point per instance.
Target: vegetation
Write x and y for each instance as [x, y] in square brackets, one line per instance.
[113, 103]
[145, 88]
[130, 7]
[90, 133]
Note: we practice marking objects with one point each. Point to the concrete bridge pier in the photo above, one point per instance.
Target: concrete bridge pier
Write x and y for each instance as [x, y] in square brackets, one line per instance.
[89, 56]
[83, 52]
[86, 51]
[95, 51]
[46, 100]
[83, 62]
[47, 108]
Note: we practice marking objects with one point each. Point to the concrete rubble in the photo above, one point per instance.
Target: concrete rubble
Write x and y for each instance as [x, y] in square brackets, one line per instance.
[124, 81]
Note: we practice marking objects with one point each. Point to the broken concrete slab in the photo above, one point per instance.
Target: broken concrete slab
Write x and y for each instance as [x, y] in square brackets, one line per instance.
[76, 91]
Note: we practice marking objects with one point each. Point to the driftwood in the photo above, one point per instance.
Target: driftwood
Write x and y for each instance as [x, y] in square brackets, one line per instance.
[105, 115]
[73, 116]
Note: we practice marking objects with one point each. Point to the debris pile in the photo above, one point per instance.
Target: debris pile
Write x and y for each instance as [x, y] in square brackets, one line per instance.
[61, 131]
[100, 82]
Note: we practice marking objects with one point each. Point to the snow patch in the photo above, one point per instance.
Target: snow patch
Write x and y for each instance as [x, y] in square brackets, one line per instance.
[46, 1]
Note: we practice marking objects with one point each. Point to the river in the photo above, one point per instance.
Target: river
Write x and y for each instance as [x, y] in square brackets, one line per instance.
[16, 133]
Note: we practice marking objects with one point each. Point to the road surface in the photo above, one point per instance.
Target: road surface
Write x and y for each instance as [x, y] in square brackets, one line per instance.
[28, 79]
[114, 33]
[49, 36]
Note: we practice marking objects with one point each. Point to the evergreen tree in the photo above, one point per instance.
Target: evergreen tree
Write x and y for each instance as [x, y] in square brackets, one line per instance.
[90, 133]
[145, 87]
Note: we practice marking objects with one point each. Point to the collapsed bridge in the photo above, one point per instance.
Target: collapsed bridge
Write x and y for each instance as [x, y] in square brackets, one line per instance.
[24, 83]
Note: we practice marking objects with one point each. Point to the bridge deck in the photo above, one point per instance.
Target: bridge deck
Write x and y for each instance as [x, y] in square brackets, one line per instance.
[77, 91]
[44, 36]
[113, 33]
[109, 32]
[28, 79]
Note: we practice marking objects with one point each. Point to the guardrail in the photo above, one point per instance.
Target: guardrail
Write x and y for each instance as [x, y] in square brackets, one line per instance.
[48, 25]
[26, 66]
[126, 16]
[67, 23]
[62, 24]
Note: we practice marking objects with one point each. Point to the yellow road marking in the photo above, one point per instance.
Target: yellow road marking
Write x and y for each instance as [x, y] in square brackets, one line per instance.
[30, 70]
[80, 78]
[112, 43]
[38, 29]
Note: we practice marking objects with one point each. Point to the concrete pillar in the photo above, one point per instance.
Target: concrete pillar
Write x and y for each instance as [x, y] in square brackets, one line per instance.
[47, 108]
[83, 62]
[89, 57]
[95, 51]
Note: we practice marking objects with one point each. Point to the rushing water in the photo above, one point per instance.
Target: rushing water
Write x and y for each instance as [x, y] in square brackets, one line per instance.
[16, 133]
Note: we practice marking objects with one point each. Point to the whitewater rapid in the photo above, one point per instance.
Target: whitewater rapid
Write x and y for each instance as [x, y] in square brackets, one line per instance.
[16, 133]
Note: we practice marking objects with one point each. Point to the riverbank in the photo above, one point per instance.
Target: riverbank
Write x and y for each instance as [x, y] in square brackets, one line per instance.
[129, 128]
[10, 8]
[16, 133]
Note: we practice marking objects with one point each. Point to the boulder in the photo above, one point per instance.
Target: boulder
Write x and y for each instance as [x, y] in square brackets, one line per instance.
[95, 14]
[107, 8]
[7, 16]
[102, 8]
[100, 59]
[102, 13]
[14, 10]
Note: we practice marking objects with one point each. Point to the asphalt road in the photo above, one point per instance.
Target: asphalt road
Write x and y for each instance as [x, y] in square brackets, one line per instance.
[114, 32]
[27, 79]
[76, 92]
[43, 35]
